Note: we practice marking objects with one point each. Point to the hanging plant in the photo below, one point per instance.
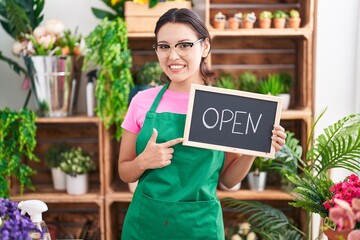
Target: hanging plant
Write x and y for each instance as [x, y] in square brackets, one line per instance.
[17, 143]
[108, 48]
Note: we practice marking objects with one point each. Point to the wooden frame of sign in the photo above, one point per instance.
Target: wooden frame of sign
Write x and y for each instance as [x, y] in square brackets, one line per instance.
[231, 120]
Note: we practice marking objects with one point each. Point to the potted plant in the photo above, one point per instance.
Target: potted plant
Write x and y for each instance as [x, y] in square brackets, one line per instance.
[248, 82]
[53, 160]
[226, 80]
[219, 21]
[294, 19]
[76, 163]
[108, 47]
[17, 144]
[234, 22]
[272, 85]
[265, 19]
[248, 20]
[338, 146]
[279, 19]
[258, 173]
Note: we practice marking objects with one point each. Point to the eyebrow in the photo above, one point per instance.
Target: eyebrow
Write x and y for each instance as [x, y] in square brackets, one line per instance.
[182, 40]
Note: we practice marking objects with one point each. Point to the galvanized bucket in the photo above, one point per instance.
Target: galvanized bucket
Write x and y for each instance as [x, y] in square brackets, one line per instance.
[55, 82]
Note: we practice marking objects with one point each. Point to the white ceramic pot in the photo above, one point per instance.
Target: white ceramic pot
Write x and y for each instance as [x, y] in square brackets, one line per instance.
[58, 178]
[77, 184]
[286, 100]
[257, 182]
[234, 188]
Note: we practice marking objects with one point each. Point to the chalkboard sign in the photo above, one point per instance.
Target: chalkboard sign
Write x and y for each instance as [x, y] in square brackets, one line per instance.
[231, 120]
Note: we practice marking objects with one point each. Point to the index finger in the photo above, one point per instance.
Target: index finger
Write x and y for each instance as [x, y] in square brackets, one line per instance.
[172, 142]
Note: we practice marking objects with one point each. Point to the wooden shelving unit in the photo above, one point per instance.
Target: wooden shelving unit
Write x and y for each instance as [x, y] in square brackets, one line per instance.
[235, 51]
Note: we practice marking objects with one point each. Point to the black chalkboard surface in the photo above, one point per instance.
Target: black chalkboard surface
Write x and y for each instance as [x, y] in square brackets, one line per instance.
[231, 120]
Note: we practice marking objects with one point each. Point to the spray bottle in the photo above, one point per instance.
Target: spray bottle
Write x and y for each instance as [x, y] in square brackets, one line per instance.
[35, 208]
[90, 92]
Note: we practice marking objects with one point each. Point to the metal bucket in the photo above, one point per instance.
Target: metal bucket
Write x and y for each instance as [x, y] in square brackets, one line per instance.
[55, 82]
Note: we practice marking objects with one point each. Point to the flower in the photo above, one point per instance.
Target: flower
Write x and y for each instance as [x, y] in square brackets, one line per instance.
[14, 225]
[51, 39]
[76, 161]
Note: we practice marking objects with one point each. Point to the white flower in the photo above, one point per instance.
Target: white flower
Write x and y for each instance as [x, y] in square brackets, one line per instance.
[236, 237]
[54, 26]
[39, 32]
[244, 228]
[17, 48]
[251, 236]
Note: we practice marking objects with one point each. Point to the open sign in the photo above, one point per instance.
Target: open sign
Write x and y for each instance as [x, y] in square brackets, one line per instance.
[231, 120]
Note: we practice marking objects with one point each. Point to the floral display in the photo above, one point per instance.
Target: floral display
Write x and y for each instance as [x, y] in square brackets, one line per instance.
[344, 206]
[14, 225]
[76, 161]
[50, 40]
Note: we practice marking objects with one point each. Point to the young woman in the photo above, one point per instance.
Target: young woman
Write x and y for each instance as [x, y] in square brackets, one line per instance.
[176, 195]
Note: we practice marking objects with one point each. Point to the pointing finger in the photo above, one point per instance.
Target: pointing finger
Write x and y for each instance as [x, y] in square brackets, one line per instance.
[172, 142]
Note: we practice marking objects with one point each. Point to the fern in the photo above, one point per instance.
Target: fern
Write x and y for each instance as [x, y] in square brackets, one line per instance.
[268, 222]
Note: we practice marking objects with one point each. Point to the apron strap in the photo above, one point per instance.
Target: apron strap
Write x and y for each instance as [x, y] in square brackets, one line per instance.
[158, 98]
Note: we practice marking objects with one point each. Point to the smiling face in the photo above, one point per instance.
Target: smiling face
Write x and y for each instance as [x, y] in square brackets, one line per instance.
[182, 70]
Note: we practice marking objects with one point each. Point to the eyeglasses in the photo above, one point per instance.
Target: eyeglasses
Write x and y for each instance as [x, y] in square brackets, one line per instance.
[182, 48]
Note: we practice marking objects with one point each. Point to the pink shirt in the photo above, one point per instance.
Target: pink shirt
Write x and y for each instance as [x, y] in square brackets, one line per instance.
[174, 102]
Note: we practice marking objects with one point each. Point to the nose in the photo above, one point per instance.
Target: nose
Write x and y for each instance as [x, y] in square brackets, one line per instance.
[173, 54]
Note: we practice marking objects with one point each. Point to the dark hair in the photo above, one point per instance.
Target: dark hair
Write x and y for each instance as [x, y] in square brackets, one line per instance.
[193, 20]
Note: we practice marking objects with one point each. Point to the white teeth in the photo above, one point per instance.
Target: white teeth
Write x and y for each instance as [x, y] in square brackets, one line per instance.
[176, 66]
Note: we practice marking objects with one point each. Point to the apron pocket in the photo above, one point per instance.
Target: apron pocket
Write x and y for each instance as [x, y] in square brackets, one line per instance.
[179, 220]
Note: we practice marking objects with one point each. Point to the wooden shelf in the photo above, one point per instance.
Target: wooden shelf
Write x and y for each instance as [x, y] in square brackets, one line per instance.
[61, 197]
[259, 32]
[71, 119]
[303, 114]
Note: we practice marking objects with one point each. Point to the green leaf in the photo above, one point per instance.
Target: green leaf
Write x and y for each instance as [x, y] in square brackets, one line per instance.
[102, 14]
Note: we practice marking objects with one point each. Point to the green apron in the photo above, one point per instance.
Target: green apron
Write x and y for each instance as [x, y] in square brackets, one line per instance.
[179, 201]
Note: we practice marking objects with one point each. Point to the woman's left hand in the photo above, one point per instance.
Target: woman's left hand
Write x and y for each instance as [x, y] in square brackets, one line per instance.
[278, 137]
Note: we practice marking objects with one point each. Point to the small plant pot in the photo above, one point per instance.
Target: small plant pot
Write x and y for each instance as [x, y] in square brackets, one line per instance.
[279, 22]
[58, 178]
[294, 23]
[77, 184]
[247, 24]
[234, 23]
[132, 186]
[219, 24]
[257, 181]
[286, 100]
[234, 188]
[265, 23]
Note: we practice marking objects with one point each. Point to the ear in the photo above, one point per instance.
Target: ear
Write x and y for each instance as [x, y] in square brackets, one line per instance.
[206, 48]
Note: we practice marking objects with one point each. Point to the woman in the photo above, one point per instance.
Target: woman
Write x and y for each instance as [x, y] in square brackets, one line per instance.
[176, 195]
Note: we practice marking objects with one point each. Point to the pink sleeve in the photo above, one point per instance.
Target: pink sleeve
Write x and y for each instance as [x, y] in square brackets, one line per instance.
[130, 122]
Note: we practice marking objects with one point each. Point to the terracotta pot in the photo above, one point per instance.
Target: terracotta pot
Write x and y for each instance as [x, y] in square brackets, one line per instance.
[279, 22]
[234, 23]
[219, 24]
[294, 23]
[247, 24]
[336, 235]
[265, 23]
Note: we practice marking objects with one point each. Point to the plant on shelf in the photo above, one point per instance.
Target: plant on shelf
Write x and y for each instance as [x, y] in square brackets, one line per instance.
[294, 19]
[248, 20]
[234, 22]
[279, 19]
[149, 74]
[337, 147]
[264, 220]
[226, 80]
[272, 85]
[258, 173]
[219, 21]
[108, 48]
[265, 19]
[248, 82]
[17, 143]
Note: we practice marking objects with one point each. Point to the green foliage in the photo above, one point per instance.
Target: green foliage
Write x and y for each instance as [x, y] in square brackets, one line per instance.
[266, 221]
[108, 47]
[286, 160]
[286, 80]
[337, 147]
[17, 144]
[116, 9]
[266, 15]
[76, 161]
[225, 80]
[294, 13]
[149, 74]
[53, 155]
[248, 82]
[261, 164]
[273, 85]
[18, 17]
[280, 14]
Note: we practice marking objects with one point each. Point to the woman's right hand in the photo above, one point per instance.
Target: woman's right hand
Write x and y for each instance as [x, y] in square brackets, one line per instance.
[157, 155]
